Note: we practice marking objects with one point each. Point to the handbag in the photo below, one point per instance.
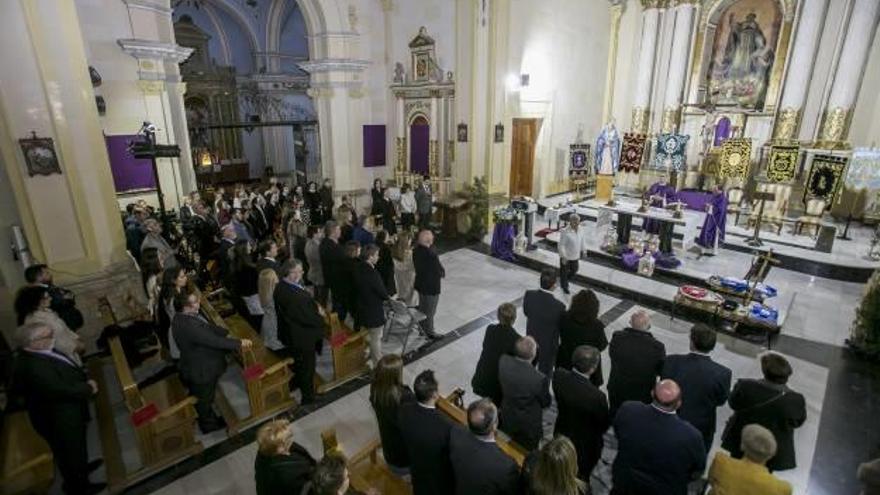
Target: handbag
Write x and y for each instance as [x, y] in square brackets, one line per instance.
[732, 420]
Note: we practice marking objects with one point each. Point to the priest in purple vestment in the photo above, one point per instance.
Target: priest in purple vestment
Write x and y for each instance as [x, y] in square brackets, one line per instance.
[659, 194]
[714, 226]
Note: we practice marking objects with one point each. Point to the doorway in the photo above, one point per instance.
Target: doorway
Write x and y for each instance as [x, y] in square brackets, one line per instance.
[522, 160]
[419, 133]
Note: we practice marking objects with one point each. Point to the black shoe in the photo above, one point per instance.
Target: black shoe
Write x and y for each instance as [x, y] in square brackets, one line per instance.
[93, 466]
[211, 427]
[93, 488]
[433, 336]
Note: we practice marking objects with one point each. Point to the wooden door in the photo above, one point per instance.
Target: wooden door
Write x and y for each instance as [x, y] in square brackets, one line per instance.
[522, 160]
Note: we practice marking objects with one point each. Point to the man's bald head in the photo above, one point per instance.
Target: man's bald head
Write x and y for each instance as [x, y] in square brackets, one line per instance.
[667, 395]
[482, 417]
[426, 238]
[640, 321]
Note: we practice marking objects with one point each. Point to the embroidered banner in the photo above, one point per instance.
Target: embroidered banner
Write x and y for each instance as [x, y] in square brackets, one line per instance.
[579, 164]
[782, 165]
[633, 151]
[826, 177]
[735, 158]
[671, 148]
[864, 169]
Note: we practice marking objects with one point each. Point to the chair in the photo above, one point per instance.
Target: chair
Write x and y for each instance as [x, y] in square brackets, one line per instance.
[402, 320]
[734, 198]
[812, 216]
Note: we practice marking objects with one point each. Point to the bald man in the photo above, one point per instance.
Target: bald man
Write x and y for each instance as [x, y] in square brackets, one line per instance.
[636, 362]
[658, 452]
[429, 272]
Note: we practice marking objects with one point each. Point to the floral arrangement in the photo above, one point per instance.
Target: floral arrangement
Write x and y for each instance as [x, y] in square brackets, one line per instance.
[506, 213]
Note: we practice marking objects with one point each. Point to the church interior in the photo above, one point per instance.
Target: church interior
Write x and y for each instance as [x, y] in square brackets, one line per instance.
[690, 167]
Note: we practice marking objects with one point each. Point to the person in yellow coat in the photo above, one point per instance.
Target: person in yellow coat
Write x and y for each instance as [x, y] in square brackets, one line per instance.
[749, 475]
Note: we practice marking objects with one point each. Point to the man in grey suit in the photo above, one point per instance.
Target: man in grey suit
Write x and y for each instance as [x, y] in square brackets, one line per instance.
[424, 203]
[525, 393]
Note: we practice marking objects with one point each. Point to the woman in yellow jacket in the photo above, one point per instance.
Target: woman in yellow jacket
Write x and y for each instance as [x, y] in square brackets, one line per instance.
[749, 475]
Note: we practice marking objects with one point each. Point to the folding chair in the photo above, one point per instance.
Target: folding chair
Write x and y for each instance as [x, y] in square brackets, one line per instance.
[402, 321]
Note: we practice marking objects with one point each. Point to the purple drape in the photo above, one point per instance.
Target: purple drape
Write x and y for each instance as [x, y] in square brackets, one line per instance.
[695, 200]
[374, 146]
[502, 241]
[129, 173]
[722, 131]
[716, 223]
[418, 157]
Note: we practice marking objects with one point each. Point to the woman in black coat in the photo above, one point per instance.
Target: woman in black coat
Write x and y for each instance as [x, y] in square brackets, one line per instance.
[580, 325]
[313, 203]
[385, 265]
[326, 195]
[377, 194]
[770, 403]
[387, 394]
[282, 466]
[498, 341]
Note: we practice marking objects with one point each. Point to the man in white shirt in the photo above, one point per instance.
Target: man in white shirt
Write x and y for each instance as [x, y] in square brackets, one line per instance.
[571, 244]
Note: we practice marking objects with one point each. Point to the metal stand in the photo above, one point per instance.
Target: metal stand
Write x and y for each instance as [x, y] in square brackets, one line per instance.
[755, 240]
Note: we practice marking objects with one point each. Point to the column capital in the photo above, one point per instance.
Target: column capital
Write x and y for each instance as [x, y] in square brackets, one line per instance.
[334, 65]
[653, 4]
[151, 87]
[788, 121]
[158, 6]
[156, 50]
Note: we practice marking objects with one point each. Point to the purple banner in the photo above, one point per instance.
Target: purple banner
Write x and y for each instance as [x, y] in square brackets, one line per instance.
[418, 158]
[129, 173]
[374, 146]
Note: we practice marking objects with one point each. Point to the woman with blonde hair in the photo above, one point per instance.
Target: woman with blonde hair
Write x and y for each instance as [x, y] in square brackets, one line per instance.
[553, 470]
[266, 283]
[387, 394]
[282, 466]
[404, 270]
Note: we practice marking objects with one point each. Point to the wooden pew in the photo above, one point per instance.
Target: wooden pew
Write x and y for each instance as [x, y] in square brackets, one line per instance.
[366, 469]
[349, 352]
[453, 406]
[25, 459]
[136, 312]
[162, 415]
[266, 375]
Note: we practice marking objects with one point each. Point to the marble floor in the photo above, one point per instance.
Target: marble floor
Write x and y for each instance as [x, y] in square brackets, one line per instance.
[475, 285]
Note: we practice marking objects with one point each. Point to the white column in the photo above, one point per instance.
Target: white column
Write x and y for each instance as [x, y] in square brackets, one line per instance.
[433, 133]
[616, 13]
[400, 142]
[848, 77]
[800, 66]
[678, 61]
[641, 112]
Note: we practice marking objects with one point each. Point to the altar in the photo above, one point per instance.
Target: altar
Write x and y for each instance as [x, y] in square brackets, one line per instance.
[624, 212]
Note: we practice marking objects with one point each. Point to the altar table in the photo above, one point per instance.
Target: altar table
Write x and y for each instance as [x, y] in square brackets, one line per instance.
[626, 211]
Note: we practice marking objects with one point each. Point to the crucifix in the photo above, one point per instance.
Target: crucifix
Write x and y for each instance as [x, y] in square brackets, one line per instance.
[760, 267]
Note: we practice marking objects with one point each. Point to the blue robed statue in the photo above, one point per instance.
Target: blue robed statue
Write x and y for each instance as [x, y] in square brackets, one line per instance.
[715, 224]
[607, 154]
[659, 195]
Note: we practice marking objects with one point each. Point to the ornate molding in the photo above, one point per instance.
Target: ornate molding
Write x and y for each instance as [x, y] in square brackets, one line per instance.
[334, 65]
[641, 120]
[147, 49]
[151, 87]
[158, 6]
[356, 93]
[835, 128]
[401, 154]
[320, 92]
[788, 121]
[709, 7]
[433, 150]
[670, 119]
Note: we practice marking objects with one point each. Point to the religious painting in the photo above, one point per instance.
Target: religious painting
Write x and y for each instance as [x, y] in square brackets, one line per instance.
[462, 133]
[579, 162]
[864, 170]
[499, 132]
[782, 165]
[670, 151]
[825, 179]
[633, 151]
[39, 155]
[735, 158]
[743, 53]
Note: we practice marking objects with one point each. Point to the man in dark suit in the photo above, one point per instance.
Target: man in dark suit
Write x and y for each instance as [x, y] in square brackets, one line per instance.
[543, 315]
[56, 393]
[479, 466]
[499, 340]
[203, 349]
[300, 325]
[223, 255]
[429, 271]
[332, 257]
[705, 384]
[63, 301]
[426, 435]
[267, 251]
[658, 452]
[258, 220]
[525, 393]
[204, 231]
[636, 362]
[370, 297]
[583, 409]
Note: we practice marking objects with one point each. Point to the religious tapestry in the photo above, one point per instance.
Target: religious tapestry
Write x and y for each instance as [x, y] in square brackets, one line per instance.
[743, 53]
[735, 158]
[782, 165]
[670, 151]
[826, 177]
[633, 151]
[580, 160]
[864, 169]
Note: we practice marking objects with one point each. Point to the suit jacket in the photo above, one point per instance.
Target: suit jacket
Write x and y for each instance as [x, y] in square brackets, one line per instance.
[300, 324]
[371, 295]
[264, 263]
[497, 341]
[480, 467]
[775, 407]
[544, 313]
[385, 267]
[204, 230]
[583, 417]
[705, 386]
[525, 394]
[429, 270]
[394, 450]
[203, 348]
[259, 222]
[284, 474]
[658, 452]
[636, 361]
[332, 256]
[425, 432]
[64, 303]
[424, 200]
[56, 394]
[574, 333]
[224, 261]
[729, 476]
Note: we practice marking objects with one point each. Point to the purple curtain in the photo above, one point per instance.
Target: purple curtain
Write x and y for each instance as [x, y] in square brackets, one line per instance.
[722, 131]
[129, 173]
[374, 146]
[418, 157]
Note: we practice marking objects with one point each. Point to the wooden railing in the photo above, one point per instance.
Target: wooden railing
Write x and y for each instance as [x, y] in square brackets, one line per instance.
[25, 459]
[349, 353]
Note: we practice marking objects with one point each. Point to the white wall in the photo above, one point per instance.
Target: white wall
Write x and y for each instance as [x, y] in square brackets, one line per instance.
[866, 119]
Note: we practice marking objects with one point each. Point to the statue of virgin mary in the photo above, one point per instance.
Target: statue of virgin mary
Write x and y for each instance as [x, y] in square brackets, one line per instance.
[607, 155]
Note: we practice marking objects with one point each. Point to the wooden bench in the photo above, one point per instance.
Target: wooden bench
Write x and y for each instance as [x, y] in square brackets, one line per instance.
[266, 375]
[453, 406]
[366, 468]
[162, 415]
[25, 459]
[349, 352]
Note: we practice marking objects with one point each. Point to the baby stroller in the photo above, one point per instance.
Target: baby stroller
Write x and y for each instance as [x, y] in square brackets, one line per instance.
[401, 320]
